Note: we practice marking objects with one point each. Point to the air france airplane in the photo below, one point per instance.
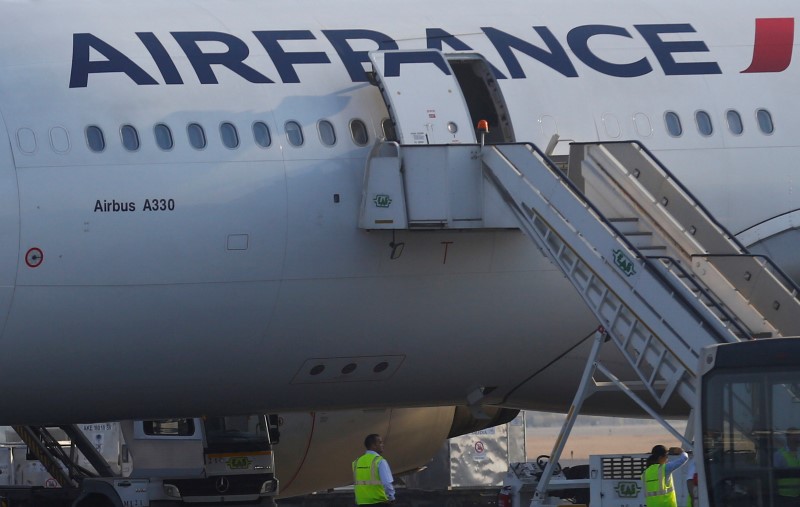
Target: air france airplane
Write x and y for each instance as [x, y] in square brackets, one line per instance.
[181, 184]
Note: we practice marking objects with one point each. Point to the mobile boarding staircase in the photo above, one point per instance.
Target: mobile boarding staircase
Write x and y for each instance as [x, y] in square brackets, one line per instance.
[663, 277]
[62, 465]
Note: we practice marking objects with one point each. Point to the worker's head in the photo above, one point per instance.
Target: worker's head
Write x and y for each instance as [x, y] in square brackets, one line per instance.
[374, 442]
[658, 455]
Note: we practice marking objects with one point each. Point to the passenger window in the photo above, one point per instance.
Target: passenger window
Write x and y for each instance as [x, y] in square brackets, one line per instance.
[734, 122]
[261, 134]
[703, 123]
[130, 137]
[358, 130]
[163, 137]
[229, 135]
[326, 133]
[389, 133]
[673, 122]
[197, 136]
[765, 121]
[294, 133]
[95, 139]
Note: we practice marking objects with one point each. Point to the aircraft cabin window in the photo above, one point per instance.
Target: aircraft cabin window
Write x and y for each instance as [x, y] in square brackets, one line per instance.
[326, 133]
[95, 139]
[389, 133]
[359, 132]
[294, 133]
[765, 121]
[130, 137]
[229, 135]
[734, 122]
[163, 137]
[703, 123]
[673, 122]
[197, 136]
[261, 134]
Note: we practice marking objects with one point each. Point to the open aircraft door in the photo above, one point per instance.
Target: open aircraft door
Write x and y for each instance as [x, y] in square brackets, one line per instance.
[423, 96]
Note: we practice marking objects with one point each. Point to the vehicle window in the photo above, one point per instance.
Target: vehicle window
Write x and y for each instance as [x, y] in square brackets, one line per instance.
[765, 121]
[95, 138]
[358, 130]
[169, 427]
[734, 122]
[294, 133]
[261, 134]
[163, 136]
[703, 121]
[239, 433]
[197, 136]
[326, 133]
[229, 135]
[130, 137]
[673, 122]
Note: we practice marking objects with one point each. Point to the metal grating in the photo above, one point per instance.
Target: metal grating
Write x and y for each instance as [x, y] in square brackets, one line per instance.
[623, 467]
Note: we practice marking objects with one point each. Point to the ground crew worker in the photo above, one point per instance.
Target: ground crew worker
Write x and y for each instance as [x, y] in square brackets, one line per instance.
[789, 457]
[691, 484]
[657, 478]
[372, 477]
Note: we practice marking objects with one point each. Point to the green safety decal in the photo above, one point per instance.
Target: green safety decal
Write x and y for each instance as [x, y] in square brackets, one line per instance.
[382, 200]
[239, 463]
[627, 489]
[624, 263]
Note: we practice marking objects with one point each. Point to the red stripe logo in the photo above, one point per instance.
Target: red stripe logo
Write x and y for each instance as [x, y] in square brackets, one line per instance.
[772, 50]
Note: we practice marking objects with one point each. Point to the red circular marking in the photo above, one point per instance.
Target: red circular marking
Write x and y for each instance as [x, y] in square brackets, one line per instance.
[34, 257]
[479, 446]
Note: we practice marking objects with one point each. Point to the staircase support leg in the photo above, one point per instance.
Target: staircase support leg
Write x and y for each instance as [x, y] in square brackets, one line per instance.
[585, 389]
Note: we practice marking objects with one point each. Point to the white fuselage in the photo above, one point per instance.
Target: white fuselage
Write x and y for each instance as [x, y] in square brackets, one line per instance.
[248, 270]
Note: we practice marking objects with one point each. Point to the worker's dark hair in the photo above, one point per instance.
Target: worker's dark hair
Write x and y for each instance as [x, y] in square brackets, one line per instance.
[658, 452]
[371, 439]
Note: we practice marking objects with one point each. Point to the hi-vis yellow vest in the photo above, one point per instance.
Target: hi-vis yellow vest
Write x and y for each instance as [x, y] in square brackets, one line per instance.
[367, 481]
[789, 487]
[658, 488]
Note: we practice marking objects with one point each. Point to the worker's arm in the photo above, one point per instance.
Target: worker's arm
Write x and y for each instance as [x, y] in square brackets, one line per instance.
[677, 462]
[386, 479]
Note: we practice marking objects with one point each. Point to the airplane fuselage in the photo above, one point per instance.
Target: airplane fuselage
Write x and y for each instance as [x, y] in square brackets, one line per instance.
[208, 268]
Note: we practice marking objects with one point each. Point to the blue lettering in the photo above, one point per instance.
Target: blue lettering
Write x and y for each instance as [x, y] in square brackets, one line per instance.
[115, 62]
[578, 40]
[233, 58]
[392, 61]
[663, 50]
[352, 59]
[437, 37]
[159, 53]
[284, 61]
[556, 58]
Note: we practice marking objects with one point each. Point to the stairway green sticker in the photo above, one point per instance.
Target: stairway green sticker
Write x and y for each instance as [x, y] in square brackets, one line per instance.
[382, 200]
[624, 263]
